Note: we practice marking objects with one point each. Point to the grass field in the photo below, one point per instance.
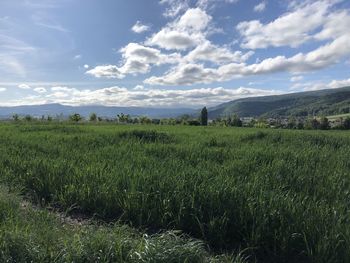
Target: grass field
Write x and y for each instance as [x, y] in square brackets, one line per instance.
[276, 195]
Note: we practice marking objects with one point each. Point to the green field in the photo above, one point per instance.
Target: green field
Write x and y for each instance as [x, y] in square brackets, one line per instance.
[270, 195]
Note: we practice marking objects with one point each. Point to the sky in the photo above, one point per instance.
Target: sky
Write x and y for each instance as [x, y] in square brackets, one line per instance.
[169, 53]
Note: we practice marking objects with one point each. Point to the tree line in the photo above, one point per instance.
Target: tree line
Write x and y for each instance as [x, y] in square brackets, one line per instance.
[311, 123]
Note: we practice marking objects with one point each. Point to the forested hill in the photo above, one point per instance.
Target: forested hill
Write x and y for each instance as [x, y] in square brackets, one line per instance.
[322, 102]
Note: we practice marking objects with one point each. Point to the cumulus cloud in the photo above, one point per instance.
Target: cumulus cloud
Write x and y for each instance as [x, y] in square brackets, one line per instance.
[319, 58]
[195, 59]
[136, 59]
[139, 87]
[218, 55]
[290, 29]
[185, 32]
[86, 66]
[173, 39]
[140, 28]
[24, 86]
[186, 75]
[336, 25]
[40, 90]
[311, 86]
[260, 7]
[148, 55]
[119, 96]
[194, 19]
[334, 84]
[2, 89]
[106, 71]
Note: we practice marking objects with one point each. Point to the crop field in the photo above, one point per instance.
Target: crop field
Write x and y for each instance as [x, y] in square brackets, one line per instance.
[255, 195]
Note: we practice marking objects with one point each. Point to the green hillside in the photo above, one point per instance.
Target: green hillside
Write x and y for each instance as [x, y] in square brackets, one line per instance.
[323, 102]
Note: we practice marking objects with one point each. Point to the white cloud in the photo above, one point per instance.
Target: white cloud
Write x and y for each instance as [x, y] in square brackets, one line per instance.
[334, 84]
[76, 57]
[198, 60]
[136, 59]
[147, 55]
[219, 55]
[119, 96]
[60, 88]
[140, 28]
[106, 71]
[321, 57]
[139, 87]
[194, 19]
[336, 25]
[260, 7]
[175, 7]
[40, 90]
[290, 29]
[24, 86]
[86, 66]
[184, 33]
[317, 85]
[172, 39]
[2, 89]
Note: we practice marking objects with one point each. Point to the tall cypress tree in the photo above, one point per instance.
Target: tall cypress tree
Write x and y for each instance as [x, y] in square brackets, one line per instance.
[204, 117]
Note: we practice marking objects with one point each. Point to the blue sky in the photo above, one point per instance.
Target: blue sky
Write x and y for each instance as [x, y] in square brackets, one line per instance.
[169, 53]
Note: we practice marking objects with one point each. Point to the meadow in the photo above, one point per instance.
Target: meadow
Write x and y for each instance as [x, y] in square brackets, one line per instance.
[267, 195]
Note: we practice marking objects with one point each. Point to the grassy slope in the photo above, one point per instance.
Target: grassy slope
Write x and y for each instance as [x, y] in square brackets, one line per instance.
[335, 117]
[324, 102]
[282, 195]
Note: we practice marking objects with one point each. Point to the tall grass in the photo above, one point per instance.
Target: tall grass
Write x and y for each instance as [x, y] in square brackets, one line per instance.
[34, 235]
[282, 196]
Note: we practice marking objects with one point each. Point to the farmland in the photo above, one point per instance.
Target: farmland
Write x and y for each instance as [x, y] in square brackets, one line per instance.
[268, 195]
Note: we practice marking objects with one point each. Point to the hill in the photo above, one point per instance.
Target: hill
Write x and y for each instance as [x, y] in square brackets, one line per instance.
[104, 111]
[322, 102]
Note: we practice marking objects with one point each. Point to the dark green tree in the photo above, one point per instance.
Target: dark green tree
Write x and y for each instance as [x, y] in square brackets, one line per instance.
[76, 117]
[292, 123]
[236, 121]
[300, 125]
[312, 124]
[93, 117]
[204, 117]
[15, 117]
[346, 123]
[123, 118]
[324, 123]
[145, 120]
[28, 117]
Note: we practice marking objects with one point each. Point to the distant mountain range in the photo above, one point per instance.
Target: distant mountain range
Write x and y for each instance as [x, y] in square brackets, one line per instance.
[103, 111]
[321, 102]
